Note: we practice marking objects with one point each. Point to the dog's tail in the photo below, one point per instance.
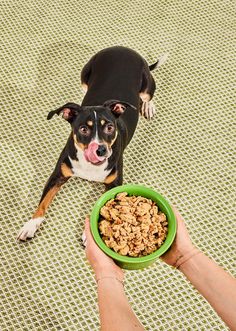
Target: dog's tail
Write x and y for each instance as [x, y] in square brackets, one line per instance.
[159, 62]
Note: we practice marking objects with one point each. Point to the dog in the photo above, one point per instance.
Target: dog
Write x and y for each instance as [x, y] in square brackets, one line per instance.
[118, 85]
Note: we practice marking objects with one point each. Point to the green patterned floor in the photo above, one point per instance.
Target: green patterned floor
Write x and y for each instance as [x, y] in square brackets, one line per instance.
[187, 153]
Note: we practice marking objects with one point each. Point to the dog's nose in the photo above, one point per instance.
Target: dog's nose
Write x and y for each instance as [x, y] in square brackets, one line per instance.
[101, 151]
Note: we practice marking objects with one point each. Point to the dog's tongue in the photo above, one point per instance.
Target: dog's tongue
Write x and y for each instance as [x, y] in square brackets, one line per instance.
[91, 155]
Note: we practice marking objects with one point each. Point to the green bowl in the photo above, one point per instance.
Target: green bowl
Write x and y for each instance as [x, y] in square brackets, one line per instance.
[127, 262]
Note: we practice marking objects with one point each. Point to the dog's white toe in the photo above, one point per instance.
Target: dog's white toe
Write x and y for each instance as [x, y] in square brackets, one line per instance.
[29, 229]
[148, 109]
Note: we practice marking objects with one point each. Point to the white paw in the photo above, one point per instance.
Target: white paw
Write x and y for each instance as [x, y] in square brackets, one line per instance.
[148, 109]
[29, 229]
[84, 87]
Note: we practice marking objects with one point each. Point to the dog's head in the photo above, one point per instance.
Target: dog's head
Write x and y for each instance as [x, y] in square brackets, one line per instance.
[94, 128]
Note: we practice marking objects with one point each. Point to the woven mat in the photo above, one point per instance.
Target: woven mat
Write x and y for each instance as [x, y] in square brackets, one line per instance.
[186, 153]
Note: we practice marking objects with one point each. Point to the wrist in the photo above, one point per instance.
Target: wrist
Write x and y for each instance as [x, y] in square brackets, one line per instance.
[109, 281]
[184, 257]
[109, 272]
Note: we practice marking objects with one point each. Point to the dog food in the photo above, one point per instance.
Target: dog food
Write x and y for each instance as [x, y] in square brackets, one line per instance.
[132, 225]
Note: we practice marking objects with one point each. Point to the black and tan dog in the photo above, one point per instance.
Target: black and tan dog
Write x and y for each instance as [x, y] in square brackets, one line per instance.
[118, 83]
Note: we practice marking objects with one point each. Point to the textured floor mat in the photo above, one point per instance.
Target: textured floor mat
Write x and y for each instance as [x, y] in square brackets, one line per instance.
[187, 153]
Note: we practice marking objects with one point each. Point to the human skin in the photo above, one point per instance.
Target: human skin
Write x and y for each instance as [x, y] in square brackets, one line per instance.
[212, 281]
[115, 311]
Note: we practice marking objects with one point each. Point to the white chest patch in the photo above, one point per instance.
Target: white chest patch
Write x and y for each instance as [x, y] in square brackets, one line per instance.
[87, 170]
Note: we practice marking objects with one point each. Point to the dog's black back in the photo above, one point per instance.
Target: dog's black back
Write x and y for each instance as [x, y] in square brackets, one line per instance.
[116, 73]
[117, 79]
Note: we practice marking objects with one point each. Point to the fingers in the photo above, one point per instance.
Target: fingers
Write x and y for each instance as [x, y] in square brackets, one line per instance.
[87, 225]
[84, 239]
[86, 234]
[178, 216]
[182, 231]
[177, 213]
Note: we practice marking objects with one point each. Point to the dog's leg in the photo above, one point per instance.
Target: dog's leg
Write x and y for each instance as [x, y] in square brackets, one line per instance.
[59, 176]
[85, 74]
[115, 178]
[148, 87]
[147, 108]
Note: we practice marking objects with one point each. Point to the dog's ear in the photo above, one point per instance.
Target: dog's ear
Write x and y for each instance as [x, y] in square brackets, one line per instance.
[117, 107]
[69, 112]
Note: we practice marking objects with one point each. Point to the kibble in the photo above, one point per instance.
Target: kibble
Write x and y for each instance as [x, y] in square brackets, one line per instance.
[132, 225]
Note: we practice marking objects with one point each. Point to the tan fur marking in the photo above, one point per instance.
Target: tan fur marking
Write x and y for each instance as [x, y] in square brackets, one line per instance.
[144, 96]
[41, 210]
[113, 140]
[80, 145]
[84, 87]
[102, 122]
[90, 123]
[109, 179]
[66, 171]
[75, 139]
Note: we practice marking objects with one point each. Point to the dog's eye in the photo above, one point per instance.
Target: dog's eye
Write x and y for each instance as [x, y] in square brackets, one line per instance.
[84, 130]
[109, 128]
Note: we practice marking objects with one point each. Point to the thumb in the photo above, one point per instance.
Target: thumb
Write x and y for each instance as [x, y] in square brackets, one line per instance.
[87, 226]
[178, 216]
[87, 233]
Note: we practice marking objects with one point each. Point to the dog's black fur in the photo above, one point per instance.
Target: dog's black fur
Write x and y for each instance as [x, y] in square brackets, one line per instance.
[115, 78]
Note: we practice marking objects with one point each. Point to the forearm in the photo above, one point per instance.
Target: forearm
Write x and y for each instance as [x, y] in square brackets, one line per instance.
[114, 309]
[215, 284]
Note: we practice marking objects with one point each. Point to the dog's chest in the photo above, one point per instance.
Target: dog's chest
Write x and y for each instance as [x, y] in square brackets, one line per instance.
[89, 171]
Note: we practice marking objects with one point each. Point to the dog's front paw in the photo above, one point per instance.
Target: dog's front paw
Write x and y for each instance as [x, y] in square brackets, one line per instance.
[29, 229]
[148, 109]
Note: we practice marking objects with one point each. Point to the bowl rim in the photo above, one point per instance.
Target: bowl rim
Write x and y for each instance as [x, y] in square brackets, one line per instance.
[162, 204]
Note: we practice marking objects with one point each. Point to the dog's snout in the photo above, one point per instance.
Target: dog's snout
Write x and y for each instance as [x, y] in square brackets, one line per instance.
[101, 151]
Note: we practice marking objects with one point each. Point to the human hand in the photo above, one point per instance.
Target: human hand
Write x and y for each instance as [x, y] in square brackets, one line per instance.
[182, 247]
[102, 265]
